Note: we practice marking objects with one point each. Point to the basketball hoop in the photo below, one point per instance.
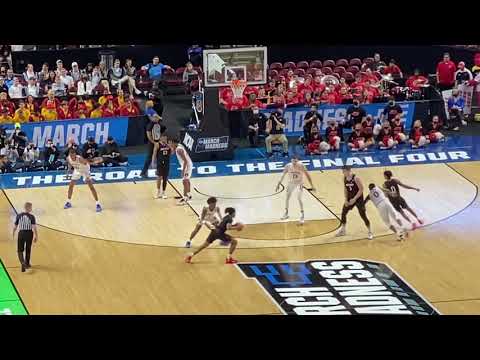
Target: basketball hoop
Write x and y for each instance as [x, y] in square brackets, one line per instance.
[238, 86]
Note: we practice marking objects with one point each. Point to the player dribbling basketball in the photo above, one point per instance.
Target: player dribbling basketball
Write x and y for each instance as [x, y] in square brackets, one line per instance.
[219, 233]
[386, 210]
[81, 169]
[210, 217]
[186, 165]
[296, 172]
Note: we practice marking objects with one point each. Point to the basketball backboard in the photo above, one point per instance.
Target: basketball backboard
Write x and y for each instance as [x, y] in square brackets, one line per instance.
[224, 65]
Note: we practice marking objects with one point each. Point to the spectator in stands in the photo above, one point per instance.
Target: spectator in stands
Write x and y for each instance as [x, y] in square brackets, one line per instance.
[109, 109]
[64, 111]
[50, 156]
[189, 75]
[119, 100]
[22, 114]
[59, 69]
[84, 86]
[131, 73]
[391, 110]
[95, 77]
[11, 156]
[44, 74]
[254, 102]
[29, 73]
[102, 88]
[32, 88]
[117, 75]
[5, 103]
[49, 106]
[16, 90]
[97, 112]
[333, 134]
[416, 81]
[446, 73]
[394, 70]
[3, 86]
[19, 139]
[462, 75]
[155, 70]
[32, 106]
[111, 153]
[81, 112]
[398, 130]
[89, 102]
[385, 137]
[129, 109]
[88, 70]
[417, 135]
[47, 84]
[5, 117]
[374, 66]
[103, 71]
[434, 130]
[75, 73]
[455, 105]
[9, 79]
[257, 122]
[355, 114]
[312, 118]
[30, 157]
[67, 79]
[275, 130]
[58, 87]
[90, 149]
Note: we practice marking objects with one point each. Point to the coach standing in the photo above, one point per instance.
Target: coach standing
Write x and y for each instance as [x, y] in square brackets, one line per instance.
[446, 73]
[27, 233]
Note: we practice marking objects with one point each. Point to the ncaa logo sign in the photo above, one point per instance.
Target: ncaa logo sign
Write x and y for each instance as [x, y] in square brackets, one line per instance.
[188, 141]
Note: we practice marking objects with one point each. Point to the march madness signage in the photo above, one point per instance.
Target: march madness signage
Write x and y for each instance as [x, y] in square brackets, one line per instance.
[218, 143]
[337, 287]
[80, 130]
[294, 116]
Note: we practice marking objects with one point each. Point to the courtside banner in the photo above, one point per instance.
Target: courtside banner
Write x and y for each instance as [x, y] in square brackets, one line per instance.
[295, 116]
[80, 130]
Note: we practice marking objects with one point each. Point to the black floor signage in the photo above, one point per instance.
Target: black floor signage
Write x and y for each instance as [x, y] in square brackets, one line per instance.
[337, 287]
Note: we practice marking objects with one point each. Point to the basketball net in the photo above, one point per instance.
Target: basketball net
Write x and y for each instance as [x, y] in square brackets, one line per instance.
[238, 86]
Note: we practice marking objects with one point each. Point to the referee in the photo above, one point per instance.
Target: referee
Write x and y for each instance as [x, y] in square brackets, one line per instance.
[27, 232]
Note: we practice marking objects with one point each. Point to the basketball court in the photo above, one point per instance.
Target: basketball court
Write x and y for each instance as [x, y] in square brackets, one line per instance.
[129, 259]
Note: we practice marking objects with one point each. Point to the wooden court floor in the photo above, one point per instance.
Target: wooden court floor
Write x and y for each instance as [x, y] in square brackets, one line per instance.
[129, 259]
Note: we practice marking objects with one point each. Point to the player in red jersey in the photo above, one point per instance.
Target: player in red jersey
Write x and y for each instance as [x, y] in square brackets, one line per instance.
[398, 130]
[332, 134]
[385, 137]
[356, 142]
[434, 130]
[367, 128]
[317, 145]
[417, 135]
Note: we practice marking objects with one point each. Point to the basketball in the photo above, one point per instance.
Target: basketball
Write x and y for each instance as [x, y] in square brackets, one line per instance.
[240, 226]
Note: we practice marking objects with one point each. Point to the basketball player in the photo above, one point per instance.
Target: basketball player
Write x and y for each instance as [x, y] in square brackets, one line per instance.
[81, 169]
[385, 137]
[398, 130]
[333, 133]
[219, 233]
[186, 169]
[296, 171]
[353, 197]
[386, 210]
[434, 130]
[163, 166]
[391, 186]
[210, 217]
[357, 141]
[417, 135]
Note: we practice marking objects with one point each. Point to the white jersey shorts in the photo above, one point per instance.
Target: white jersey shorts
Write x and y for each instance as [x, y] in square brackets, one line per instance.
[387, 212]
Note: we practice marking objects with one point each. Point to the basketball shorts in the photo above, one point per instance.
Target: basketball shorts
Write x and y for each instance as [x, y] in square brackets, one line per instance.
[188, 172]
[77, 174]
[209, 219]
[398, 203]
[387, 212]
[162, 169]
[218, 235]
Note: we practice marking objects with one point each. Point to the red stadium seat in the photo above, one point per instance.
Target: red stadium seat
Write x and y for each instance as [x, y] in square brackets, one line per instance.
[339, 69]
[368, 60]
[276, 66]
[329, 63]
[342, 62]
[316, 64]
[337, 75]
[356, 62]
[311, 71]
[289, 65]
[327, 70]
[353, 69]
[349, 77]
[272, 73]
[180, 71]
[299, 72]
[302, 65]
[283, 72]
[378, 75]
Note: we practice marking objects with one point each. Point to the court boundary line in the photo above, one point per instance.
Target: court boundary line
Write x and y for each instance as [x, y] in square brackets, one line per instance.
[265, 247]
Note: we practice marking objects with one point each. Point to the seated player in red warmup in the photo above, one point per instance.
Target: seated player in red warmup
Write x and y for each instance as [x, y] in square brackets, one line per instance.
[306, 86]
[398, 129]
[332, 133]
[367, 128]
[225, 96]
[434, 130]
[253, 101]
[317, 84]
[129, 109]
[251, 90]
[64, 112]
[356, 141]
[291, 99]
[109, 109]
[317, 145]
[307, 99]
[417, 135]
[385, 137]
[343, 94]
[237, 103]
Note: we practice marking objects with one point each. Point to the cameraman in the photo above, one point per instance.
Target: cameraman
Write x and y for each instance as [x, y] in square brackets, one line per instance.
[311, 119]
[12, 156]
[3, 140]
[111, 153]
[90, 149]
[20, 139]
[30, 157]
[51, 156]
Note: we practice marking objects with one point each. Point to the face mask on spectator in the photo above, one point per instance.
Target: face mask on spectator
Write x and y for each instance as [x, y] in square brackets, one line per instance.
[255, 112]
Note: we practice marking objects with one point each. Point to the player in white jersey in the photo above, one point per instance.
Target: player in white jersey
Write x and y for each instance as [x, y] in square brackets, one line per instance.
[81, 169]
[386, 210]
[210, 217]
[187, 167]
[296, 172]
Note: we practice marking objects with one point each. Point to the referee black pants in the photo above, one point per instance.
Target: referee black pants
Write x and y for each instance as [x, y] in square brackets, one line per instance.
[361, 210]
[148, 160]
[24, 244]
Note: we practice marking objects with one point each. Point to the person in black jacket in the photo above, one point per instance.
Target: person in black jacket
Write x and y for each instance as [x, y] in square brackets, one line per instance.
[111, 153]
[90, 149]
[312, 118]
[50, 156]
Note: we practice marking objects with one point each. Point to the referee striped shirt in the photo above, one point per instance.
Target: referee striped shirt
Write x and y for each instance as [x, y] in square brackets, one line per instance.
[25, 221]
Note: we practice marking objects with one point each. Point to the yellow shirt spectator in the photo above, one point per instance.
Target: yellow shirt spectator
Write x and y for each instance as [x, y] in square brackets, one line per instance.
[97, 113]
[102, 99]
[89, 104]
[49, 114]
[22, 115]
[5, 119]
